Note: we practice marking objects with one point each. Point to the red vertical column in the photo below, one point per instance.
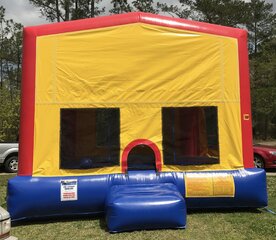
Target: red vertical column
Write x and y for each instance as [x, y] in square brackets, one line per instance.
[26, 135]
[245, 101]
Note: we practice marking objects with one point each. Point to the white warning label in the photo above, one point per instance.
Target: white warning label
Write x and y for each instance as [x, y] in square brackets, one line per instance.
[69, 190]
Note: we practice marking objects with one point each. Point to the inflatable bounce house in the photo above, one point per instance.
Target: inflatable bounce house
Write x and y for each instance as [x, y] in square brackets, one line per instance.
[137, 117]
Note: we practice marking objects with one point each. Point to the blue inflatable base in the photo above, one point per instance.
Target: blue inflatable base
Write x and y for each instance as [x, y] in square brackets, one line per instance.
[144, 206]
[40, 197]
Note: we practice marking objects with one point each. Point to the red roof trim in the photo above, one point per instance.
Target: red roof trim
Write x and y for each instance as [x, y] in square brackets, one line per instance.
[135, 17]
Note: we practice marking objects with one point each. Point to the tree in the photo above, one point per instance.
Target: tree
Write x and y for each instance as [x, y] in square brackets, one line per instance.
[14, 50]
[260, 23]
[263, 88]
[86, 9]
[223, 12]
[65, 10]
[123, 6]
[262, 47]
[9, 115]
[120, 6]
[10, 51]
[182, 10]
[10, 74]
[2, 33]
[144, 6]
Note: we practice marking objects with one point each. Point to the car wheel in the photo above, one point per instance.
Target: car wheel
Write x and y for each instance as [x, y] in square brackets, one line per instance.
[258, 161]
[11, 164]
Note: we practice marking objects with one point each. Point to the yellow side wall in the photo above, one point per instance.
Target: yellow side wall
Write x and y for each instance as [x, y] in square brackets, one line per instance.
[139, 68]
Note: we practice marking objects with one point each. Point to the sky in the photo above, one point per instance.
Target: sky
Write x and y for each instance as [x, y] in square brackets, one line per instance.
[22, 11]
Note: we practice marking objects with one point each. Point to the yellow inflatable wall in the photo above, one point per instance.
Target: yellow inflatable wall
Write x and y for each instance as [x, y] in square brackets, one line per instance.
[138, 68]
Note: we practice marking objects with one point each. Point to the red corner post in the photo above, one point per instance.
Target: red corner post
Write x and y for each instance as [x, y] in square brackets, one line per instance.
[245, 101]
[26, 133]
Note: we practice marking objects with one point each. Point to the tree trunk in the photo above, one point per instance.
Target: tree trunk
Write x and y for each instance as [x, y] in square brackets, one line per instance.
[1, 70]
[67, 10]
[92, 9]
[10, 81]
[266, 127]
[1, 57]
[18, 66]
[255, 38]
[57, 10]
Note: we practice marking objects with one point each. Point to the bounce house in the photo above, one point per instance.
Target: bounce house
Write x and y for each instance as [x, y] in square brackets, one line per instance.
[137, 117]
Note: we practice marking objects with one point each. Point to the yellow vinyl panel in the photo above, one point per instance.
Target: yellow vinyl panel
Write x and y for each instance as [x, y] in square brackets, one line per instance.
[141, 122]
[209, 185]
[139, 68]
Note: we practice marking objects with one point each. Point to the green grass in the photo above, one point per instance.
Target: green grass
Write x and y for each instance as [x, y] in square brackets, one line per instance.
[254, 224]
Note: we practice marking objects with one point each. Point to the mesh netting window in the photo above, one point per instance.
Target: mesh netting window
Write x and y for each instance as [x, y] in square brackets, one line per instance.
[190, 135]
[89, 138]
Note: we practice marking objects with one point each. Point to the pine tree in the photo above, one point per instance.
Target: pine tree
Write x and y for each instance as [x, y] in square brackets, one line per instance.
[65, 10]
[10, 74]
[261, 22]
[145, 6]
[120, 6]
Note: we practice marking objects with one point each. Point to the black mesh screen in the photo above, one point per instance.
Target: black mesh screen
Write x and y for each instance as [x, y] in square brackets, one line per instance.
[141, 157]
[190, 135]
[89, 138]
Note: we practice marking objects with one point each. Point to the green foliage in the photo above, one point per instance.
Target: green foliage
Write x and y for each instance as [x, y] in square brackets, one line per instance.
[65, 10]
[85, 9]
[182, 10]
[123, 6]
[223, 12]
[263, 65]
[120, 6]
[263, 84]
[144, 6]
[10, 77]
[261, 23]
[9, 115]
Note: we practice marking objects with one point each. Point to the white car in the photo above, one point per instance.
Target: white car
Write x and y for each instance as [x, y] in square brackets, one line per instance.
[9, 156]
[5, 225]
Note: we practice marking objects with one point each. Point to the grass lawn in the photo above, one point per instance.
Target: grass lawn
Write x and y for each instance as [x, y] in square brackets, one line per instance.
[254, 224]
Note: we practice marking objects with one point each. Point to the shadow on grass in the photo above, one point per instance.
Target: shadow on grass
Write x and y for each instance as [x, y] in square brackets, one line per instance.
[50, 220]
[2, 169]
[225, 210]
[103, 225]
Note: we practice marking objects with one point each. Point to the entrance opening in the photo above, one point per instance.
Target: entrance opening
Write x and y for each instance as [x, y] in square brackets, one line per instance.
[141, 157]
